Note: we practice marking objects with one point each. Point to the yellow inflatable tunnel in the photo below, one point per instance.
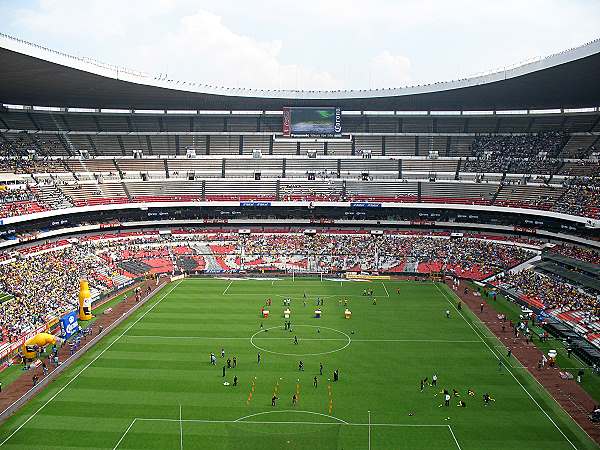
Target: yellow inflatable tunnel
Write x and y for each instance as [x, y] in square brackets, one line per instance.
[85, 301]
[33, 345]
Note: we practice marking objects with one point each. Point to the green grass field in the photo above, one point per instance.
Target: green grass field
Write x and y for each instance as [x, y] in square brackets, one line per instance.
[150, 385]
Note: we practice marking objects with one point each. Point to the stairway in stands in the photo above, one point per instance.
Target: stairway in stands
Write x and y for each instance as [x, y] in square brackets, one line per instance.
[53, 197]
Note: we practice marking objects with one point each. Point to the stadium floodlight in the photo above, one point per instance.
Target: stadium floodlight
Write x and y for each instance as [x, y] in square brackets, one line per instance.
[81, 110]
[478, 113]
[47, 108]
[378, 113]
[545, 111]
[115, 111]
[412, 113]
[579, 110]
[445, 113]
[512, 112]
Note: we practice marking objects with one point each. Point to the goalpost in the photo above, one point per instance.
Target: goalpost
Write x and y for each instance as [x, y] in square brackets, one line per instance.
[309, 273]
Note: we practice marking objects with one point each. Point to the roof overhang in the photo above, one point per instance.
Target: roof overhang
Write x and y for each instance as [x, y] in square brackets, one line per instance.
[34, 75]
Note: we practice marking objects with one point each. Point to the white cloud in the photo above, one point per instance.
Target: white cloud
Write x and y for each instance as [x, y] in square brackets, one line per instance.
[389, 70]
[313, 44]
[196, 47]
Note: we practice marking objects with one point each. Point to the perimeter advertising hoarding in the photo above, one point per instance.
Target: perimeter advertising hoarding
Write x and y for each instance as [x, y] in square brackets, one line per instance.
[315, 122]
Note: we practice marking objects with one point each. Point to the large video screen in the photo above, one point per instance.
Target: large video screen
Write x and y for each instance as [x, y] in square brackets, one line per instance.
[312, 121]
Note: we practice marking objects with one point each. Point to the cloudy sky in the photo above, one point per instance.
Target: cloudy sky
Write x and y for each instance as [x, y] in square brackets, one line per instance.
[307, 44]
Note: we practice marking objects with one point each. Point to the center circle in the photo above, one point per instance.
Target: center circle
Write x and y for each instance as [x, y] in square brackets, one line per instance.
[346, 340]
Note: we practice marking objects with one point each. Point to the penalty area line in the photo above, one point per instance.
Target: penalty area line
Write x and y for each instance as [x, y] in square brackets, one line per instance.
[386, 291]
[124, 434]
[454, 437]
[284, 422]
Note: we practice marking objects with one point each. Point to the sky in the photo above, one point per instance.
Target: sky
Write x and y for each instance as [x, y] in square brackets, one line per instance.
[306, 44]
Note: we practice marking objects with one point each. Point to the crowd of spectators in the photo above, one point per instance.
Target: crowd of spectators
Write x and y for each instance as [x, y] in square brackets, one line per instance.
[581, 197]
[580, 253]
[22, 194]
[521, 146]
[43, 285]
[15, 202]
[529, 153]
[555, 293]
[335, 251]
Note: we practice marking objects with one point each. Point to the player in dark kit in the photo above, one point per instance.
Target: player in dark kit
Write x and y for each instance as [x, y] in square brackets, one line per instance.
[487, 399]
[274, 400]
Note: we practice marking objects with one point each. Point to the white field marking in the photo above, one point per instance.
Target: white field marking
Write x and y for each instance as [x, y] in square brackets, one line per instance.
[89, 364]
[296, 296]
[180, 430]
[184, 337]
[240, 419]
[227, 288]
[443, 292]
[257, 422]
[126, 431]
[348, 339]
[436, 341]
[386, 291]
[454, 437]
[369, 430]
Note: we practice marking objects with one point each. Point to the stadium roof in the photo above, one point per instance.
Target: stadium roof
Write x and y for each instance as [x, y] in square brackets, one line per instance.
[34, 75]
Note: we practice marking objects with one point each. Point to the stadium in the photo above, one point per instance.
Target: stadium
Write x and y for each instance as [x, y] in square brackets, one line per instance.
[195, 266]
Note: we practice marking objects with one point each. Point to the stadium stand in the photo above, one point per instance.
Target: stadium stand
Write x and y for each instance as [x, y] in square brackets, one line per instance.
[505, 171]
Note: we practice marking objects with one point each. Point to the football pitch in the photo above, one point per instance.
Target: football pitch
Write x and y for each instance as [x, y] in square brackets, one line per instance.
[150, 384]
